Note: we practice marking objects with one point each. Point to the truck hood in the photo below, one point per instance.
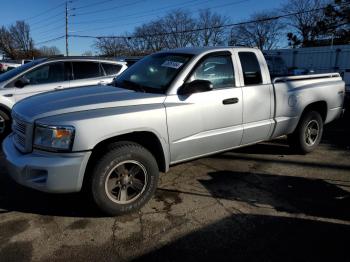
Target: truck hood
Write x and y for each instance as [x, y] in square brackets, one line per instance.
[81, 99]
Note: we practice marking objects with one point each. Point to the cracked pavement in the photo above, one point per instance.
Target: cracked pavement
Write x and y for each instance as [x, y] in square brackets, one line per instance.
[260, 203]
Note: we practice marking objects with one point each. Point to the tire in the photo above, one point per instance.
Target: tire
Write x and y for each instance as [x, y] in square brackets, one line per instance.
[124, 178]
[308, 133]
[5, 124]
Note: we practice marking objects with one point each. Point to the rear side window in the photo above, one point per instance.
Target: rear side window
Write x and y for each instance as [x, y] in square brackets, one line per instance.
[111, 69]
[83, 70]
[251, 68]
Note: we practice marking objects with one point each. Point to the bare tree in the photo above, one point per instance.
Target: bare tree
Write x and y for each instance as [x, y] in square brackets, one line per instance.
[20, 33]
[112, 47]
[48, 51]
[179, 27]
[16, 42]
[87, 53]
[214, 32]
[150, 36]
[174, 30]
[304, 24]
[263, 32]
[7, 45]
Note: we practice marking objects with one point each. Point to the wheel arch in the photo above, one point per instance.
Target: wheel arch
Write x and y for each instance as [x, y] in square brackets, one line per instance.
[147, 139]
[6, 109]
[320, 106]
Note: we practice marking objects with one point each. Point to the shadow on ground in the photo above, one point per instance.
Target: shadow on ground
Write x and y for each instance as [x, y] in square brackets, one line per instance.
[337, 133]
[14, 197]
[294, 195]
[259, 238]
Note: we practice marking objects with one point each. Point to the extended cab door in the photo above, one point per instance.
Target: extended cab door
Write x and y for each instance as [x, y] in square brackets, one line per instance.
[48, 77]
[206, 122]
[257, 95]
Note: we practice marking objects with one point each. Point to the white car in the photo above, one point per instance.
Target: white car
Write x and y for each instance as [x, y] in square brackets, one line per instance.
[8, 65]
[49, 74]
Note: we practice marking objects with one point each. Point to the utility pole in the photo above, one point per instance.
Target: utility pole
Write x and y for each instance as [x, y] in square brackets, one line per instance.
[67, 52]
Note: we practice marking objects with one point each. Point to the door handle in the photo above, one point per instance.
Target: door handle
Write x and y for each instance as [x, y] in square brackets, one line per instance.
[58, 88]
[102, 83]
[230, 101]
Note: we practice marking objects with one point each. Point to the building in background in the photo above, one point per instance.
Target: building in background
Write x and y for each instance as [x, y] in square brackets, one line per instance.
[323, 59]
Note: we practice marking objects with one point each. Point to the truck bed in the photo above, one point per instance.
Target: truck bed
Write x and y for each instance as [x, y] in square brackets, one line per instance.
[293, 93]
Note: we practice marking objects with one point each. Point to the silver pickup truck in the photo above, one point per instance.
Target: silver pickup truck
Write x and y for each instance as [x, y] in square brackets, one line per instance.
[170, 107]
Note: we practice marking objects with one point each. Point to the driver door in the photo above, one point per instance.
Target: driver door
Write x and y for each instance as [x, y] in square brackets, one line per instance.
[48, 77]
[206, 122]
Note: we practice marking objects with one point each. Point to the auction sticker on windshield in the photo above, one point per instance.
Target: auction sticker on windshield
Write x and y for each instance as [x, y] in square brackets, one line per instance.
[172, 64]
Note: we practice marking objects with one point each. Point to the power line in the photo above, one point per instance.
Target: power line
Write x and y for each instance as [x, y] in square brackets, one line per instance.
[61, 26]
[109, 9]
[206, 28]
[92, 4]
[47, 25]
[217, 6]
[44, 12]
[51, 40]
[48, 19]
[182, 4]
[51, 35]
[107, 27]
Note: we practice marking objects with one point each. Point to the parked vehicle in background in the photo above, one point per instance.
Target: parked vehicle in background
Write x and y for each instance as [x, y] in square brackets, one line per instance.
[130, 60]
[49, 74]
[8, 65]
[170, 107]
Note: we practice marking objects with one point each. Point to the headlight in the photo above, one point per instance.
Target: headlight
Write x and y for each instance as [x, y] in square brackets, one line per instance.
[54, 138]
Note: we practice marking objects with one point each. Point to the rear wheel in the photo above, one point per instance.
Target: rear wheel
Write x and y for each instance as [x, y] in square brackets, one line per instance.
[308, 133]
[124, 179]
[5, 124]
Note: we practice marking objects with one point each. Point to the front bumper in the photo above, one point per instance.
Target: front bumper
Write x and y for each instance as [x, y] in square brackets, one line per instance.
[44, 171]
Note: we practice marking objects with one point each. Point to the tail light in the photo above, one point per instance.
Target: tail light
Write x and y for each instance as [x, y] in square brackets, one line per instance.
[1, 67]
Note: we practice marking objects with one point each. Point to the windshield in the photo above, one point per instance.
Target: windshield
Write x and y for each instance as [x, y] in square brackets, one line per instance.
[153, 73]
[18, 70]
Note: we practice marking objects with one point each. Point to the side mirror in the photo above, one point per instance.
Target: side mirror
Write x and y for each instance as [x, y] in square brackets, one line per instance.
[22, 82]
[196, 86]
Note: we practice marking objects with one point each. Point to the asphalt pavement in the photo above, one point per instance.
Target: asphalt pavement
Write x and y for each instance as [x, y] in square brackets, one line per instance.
[260, 203]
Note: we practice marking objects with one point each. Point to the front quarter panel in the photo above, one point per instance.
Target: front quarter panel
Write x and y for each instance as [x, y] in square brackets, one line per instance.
[7, 97]
[95, 126]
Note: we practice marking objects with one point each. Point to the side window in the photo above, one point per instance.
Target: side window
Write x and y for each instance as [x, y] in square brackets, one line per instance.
[83, 70]
[111, 69]
[217, 69]
[251, 68]
[49, 73]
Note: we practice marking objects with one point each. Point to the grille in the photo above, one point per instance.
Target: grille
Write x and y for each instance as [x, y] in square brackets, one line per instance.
[22, 133]
[19, 127]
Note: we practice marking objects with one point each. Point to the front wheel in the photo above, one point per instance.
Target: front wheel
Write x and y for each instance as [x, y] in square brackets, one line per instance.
[124, 179]
[308, 133]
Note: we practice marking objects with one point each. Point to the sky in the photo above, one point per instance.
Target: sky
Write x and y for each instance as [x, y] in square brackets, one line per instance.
[111, 17]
